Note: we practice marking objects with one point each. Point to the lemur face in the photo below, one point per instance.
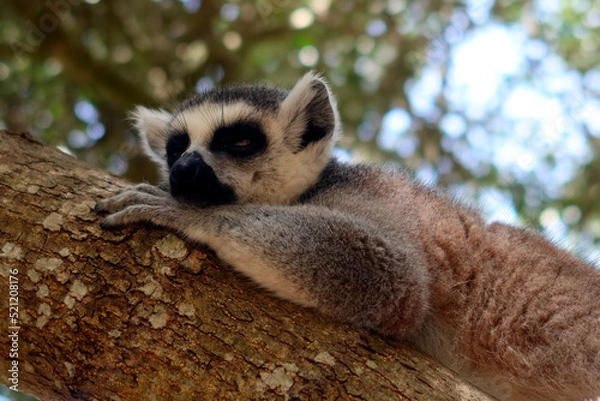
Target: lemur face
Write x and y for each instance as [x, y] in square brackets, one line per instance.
[244, 143]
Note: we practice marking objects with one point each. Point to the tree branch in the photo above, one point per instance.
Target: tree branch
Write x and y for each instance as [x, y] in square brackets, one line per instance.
[138, 314]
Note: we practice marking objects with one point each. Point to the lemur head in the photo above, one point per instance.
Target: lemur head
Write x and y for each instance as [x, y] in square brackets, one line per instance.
[243, 144]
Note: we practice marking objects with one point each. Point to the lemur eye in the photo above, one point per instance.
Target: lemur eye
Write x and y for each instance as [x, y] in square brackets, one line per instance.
[242, 143]
[176, 145]
[241, 140]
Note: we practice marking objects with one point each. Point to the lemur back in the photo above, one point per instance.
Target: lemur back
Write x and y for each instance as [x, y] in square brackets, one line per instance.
[249, 171]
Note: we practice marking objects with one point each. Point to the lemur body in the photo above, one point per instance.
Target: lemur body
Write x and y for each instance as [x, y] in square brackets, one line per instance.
[250, 174]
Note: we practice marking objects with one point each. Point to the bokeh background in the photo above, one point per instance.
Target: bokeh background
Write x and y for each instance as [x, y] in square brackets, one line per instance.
[496, 101]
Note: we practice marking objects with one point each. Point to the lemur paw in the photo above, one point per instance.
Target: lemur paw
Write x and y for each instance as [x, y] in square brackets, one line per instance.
[145, 188]
[138, 204]
[142, 194]
[134, 214]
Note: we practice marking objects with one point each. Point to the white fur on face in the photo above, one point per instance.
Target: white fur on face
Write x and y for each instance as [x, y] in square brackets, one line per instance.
[152, 126]
[200, 122]
[280, 175]
[284, 175]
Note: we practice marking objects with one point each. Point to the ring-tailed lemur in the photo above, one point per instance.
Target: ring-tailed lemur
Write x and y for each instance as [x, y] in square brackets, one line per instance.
[249, 171]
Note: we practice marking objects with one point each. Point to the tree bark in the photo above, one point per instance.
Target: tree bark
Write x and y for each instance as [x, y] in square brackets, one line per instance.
[138, 314]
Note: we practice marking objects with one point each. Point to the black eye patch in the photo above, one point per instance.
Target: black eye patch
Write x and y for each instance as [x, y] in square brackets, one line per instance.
[177, 144]
[241, 140]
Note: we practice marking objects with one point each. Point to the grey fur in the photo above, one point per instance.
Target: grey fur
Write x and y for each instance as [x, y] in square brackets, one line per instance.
[369, 246]
[260, 96]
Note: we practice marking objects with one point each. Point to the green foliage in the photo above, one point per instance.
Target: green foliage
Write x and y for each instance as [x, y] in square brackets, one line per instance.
[99, 56]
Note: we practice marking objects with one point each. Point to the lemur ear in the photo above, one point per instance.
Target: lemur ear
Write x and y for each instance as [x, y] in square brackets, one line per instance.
[152, 126]
[309, 113]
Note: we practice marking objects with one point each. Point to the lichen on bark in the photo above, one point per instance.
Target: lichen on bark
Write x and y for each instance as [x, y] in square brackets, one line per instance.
[140, 314]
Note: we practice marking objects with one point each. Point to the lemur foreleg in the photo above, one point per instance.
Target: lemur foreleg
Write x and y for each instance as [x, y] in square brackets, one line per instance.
[350, 273]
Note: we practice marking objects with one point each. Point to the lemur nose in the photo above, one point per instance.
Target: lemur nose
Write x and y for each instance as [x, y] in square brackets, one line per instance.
[187, 168]
[194, 180]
